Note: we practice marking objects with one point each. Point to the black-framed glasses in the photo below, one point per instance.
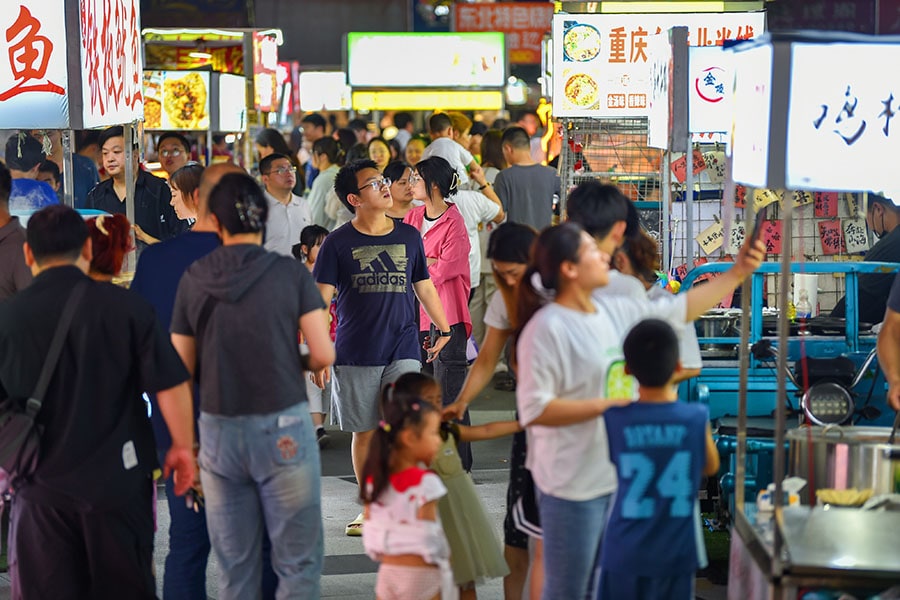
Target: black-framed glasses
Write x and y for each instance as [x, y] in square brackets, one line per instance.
[376, 184]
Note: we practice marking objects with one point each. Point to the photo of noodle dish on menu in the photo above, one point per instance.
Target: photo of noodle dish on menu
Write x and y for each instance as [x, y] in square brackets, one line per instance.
[581, 42]
[153, 83]
[581, 90]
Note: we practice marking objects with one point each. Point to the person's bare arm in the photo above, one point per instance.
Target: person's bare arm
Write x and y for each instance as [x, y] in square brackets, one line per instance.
[563, 411]
[488, 431]
[314, 327]
[889, 355]
[703, 297]
[186, 347]
[488, 190]
[480, 373]
[178, 412]
[431, 302]
[712, 454]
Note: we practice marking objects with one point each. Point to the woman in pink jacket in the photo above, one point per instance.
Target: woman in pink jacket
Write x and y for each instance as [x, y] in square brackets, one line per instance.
[447, 250]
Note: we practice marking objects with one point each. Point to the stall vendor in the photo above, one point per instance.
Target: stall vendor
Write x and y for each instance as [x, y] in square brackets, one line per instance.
[889, 346]
[882, 218]
[154, 217]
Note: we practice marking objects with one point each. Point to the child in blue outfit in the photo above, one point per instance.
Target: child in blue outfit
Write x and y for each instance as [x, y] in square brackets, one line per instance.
[660, 448]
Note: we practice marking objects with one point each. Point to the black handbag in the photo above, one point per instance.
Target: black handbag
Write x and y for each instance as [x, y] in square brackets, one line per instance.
[20, 436]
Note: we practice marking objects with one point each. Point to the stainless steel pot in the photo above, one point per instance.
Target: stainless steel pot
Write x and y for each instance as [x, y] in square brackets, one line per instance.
[835, 457]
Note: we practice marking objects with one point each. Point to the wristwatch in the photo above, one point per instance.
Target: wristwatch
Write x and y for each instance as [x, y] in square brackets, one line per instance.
[487, 183]
[446, 333]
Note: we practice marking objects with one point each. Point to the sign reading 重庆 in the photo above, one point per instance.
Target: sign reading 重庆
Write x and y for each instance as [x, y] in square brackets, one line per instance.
[600, 61]
[111, 62]
[524, 24]
[33, 78]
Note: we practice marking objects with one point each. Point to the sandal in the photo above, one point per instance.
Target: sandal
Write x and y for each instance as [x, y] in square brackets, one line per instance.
[354, 527]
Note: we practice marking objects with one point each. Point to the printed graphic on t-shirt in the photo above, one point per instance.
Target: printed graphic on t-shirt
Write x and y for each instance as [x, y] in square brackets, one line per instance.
[618, 383]
[381, 269]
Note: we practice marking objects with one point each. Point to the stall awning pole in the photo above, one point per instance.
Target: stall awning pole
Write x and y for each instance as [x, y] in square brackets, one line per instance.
[130, 175]
[68, 175]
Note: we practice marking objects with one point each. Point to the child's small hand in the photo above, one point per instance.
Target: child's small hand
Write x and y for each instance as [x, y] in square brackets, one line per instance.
[454, 411]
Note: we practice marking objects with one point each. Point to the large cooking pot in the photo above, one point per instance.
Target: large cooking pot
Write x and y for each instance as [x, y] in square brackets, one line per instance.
[835, 457]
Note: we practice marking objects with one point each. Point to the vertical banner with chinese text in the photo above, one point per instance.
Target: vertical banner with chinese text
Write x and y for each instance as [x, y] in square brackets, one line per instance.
[111, 62]
[33, 76]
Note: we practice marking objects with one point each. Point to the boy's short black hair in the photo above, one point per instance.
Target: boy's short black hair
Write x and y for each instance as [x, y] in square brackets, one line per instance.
[56, 232]
[651, 352]
[48, 166]
[439, 122]
[402, 119]
[598, 206]
[516, 137]
[345, 183]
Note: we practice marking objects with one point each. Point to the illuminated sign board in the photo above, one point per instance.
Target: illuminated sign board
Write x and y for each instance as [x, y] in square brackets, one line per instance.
[428, 100]
[600, 61]
[324, 90]
[176, 100]
[417, 60]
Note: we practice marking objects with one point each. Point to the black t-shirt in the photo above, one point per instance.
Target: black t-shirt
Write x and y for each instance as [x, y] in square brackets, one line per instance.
[97, 449]
[152, 209]
[874, 288]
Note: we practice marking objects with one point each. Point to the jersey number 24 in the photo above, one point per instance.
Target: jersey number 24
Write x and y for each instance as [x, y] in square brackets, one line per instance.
[674, 483]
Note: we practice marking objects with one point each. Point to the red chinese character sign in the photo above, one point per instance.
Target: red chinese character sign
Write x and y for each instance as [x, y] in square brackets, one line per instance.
[265, 72]
[111, 62]
[600, 62]
[524, 24]
[33, 78]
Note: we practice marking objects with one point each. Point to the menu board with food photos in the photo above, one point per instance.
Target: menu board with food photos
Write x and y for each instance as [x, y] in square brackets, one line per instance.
[176, 100]
[600, 61]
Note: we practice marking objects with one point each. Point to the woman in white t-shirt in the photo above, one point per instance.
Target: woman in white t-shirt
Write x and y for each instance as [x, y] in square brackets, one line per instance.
[570, 368]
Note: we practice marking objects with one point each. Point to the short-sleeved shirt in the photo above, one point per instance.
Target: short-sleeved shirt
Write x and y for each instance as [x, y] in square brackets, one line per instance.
[874, 287]
[152, 209]
[14, 273]
[893, 301]
[285, 222]
[526, 192]
[374, 277]
[458, 157]
[249, 357]
[476, 208]
[563, 353]
[31, 195]
[659, 451]
[408, 491]
[496, 315]
[97, 449]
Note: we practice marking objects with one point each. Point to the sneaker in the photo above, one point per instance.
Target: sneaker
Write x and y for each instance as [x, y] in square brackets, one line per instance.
[354, 527]
[322, 437]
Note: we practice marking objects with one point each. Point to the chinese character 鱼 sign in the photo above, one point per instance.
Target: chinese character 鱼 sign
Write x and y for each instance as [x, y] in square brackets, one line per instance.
[33, 76]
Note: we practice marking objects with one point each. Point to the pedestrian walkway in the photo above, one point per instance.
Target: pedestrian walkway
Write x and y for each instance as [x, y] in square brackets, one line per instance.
[348, 574]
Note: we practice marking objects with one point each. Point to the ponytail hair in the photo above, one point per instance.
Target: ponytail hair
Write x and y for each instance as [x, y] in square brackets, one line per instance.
[111, 241]
[554, 246]
[239, 204]
[330, 148]
[401, 410]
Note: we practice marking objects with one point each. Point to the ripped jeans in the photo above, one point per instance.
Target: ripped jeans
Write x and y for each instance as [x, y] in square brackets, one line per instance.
[263, 471]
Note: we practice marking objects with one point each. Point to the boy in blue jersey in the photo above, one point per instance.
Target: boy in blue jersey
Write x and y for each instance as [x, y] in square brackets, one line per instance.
[660, 448]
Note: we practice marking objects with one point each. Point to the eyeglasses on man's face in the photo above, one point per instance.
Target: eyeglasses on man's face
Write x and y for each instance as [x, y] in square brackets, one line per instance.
[282, 171]
[173, 152]
[376, 184]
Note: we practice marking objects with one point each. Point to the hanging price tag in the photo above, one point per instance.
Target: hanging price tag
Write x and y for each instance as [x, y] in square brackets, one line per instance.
[763, 198]
[740, 196]
[699, 165]
[826, 204]
[736, 237]
[715, 166]
[711, 238]
[771, 236]
[801, 197]
[679, 168]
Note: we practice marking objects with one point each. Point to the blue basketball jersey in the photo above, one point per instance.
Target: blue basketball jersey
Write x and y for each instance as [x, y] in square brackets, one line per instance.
[659, 451]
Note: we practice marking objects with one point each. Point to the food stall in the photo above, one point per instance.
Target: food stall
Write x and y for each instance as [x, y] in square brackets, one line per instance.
[73, 64]
[829, 533]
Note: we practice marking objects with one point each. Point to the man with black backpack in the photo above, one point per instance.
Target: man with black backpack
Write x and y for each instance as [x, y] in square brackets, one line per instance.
[82, 519]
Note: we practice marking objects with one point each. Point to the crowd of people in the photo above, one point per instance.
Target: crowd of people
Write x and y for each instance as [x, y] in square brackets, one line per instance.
[362, 288]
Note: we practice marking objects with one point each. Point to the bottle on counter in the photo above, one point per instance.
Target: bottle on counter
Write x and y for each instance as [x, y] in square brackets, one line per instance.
[804, 308]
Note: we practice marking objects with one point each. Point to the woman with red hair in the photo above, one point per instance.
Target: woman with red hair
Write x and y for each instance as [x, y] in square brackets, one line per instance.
[111, 241]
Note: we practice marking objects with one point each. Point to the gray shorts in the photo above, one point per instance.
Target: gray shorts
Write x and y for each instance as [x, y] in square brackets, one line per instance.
[356, 393]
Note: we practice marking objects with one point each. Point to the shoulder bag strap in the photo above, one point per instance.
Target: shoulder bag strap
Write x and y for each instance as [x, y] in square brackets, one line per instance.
[205, 313]
[59, 338]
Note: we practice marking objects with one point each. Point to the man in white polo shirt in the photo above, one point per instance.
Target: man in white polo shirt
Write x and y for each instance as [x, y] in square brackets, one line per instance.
[288, 212]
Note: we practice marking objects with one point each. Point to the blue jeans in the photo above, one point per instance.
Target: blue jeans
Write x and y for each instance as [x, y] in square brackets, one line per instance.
[572, 534]
[263, 472]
